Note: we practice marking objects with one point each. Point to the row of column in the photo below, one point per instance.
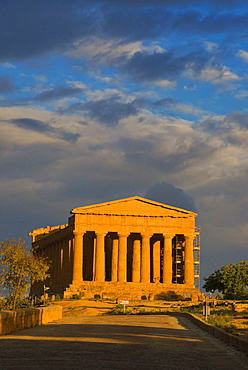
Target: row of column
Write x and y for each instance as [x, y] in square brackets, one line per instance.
[60, 255]
[141, 259]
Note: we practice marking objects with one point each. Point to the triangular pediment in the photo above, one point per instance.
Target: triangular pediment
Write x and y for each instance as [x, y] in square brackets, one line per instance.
[137, 206]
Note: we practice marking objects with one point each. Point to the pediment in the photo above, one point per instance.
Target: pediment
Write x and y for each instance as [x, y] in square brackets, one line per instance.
[136, 206]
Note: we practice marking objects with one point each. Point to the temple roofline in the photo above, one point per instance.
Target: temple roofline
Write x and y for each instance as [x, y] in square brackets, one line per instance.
[84, 209]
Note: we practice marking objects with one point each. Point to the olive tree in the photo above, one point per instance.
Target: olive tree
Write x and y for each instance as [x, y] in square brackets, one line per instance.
[231, 280]
[19, 267]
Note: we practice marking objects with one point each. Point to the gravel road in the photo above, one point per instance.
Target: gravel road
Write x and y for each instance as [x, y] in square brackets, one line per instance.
[117, 342]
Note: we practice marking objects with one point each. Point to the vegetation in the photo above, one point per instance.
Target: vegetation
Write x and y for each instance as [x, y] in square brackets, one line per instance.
[220, 316]
[120, 309]
[19, 267]
[231, 280]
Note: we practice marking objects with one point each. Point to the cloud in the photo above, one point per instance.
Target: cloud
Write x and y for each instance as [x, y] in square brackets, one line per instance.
[34, 29]
[6, 85]
[243, 54]
[176, 106]
[143, 67]
[190, 87]
[169, 65]
[106, 111]
[31, 29]
[7, 65]
[213, 23]
[227, 126]
[241, 94]
[42, 127]
[215, 74]
[57, 92]
[169, 194]
[137, 3]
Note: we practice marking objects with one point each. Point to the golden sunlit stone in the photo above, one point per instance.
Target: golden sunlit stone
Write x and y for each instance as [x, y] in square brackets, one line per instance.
[128, 248]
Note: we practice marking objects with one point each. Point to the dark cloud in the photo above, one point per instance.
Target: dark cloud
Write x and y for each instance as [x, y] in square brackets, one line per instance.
[32, 162]
[145, 23]
[34, 27]
[57, 92]
[146, 152]
[6, 85]
[142, 3]
[137, 149]
[139, 25]
[194, 21]
[145, 67]
[225, 124]
[31, 28]
[31, 124]
[167, 193]
[164, 103]
[42, 127]
[106, 111]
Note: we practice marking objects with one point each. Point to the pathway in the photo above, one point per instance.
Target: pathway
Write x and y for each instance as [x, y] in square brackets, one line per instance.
[116, 342]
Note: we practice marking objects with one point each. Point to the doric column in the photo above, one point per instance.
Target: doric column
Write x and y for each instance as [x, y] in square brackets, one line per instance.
[136, 261]
[114, 262]
[52, 268]
[66, 267]
[59, 262]
[145, 258]
[122, 258]
[56, 262]
[77, 258]
[167, 266]
[100, 262]
[189, 260]
[156, 261]
[70, 260]
[49, 260]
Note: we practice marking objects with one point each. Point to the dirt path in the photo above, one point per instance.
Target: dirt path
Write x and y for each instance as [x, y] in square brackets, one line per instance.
[116, 342]
[85, 307]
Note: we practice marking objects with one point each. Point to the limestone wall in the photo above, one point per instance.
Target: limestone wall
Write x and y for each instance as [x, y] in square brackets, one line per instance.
[129, 290]
[26, 318]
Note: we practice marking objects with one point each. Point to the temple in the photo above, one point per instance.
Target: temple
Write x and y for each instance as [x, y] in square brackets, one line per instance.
[128, 248]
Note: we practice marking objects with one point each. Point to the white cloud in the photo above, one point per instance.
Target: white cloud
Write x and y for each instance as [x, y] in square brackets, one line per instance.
[77, 84]
[190, 87]
[242, 94]
[243, 54]
[211, 46]
[7, 65]
[165, 83]
[40, 78]
[215, 75]
[106, 51]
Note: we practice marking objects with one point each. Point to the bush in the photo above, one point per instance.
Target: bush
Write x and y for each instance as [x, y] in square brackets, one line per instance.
[120, 309]
[75, 296]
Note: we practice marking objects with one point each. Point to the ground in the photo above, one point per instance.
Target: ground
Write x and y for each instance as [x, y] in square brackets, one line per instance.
[116, 342]
[83, 307]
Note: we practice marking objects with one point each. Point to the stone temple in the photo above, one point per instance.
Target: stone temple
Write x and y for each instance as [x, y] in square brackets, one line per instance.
[128, 248]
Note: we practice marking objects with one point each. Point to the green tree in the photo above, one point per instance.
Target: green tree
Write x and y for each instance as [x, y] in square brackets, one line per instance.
[231, 280]
[19, 267]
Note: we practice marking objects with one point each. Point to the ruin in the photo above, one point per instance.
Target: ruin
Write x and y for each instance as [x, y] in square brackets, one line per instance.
[128, 248]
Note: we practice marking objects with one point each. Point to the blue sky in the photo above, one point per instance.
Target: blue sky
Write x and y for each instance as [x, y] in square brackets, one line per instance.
[101, 100]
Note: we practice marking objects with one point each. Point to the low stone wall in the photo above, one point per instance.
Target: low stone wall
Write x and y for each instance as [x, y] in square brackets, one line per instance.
[229, 339]
[28, 317]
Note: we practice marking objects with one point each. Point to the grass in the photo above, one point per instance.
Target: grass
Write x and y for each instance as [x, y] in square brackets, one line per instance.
[135, 310]
[221, 318]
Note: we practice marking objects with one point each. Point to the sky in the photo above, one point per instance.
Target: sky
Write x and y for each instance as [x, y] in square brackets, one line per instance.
[103, 100]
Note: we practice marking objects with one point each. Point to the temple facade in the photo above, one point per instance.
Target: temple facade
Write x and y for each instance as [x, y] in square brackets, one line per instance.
[128, 248]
